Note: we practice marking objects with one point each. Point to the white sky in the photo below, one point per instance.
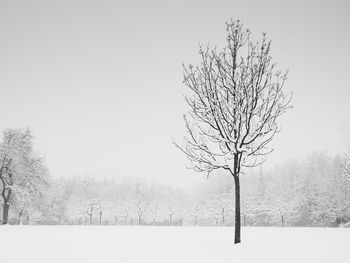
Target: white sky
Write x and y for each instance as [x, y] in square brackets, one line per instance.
[100, 82]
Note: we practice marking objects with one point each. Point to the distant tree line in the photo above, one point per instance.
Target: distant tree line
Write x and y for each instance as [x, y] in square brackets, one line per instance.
[314, 191]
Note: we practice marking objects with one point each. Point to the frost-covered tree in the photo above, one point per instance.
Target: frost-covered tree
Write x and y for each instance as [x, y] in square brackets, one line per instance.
[125, 215]
[53, 207]
[142, 201]
[236, 100]
[172, 206]
[221, 206]
[346, 166]
[154, 212]
[94, 207]
[196, 213]
[22, 171]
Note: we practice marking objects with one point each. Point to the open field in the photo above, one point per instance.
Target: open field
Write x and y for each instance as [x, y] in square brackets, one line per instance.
[171, 244]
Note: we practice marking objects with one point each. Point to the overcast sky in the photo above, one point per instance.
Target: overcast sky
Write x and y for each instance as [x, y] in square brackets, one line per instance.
[100, 82]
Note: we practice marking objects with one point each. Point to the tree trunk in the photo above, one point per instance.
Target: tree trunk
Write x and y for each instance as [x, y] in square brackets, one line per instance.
[5, 213]
[6, 203]
[20, 217]
[237, 210]
[223, 216]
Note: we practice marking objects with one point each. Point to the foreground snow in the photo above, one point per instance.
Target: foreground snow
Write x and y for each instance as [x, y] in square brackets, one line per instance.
[171, 244]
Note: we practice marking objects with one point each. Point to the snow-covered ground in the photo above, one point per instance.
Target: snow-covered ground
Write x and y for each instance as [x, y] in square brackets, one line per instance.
[101, 244]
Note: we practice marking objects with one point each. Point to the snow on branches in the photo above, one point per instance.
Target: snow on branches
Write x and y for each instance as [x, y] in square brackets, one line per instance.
[346, 166]
[22, 172]
[237, 97]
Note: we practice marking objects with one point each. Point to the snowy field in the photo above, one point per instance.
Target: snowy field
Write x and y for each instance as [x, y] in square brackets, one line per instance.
[171, 244]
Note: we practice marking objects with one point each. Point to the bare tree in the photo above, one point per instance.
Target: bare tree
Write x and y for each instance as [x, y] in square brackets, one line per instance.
[154, 213]
[94, 207]
[141, 207]
[141, 202]
[221, 206]
[22, 172]
[216, 218]
[125, 215]
[100, 213]
[171, 214]
[235, 102]
[90, 211]
[196, 214]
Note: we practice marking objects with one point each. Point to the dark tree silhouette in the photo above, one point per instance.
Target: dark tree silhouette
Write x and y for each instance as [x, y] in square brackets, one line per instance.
[235, 102]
